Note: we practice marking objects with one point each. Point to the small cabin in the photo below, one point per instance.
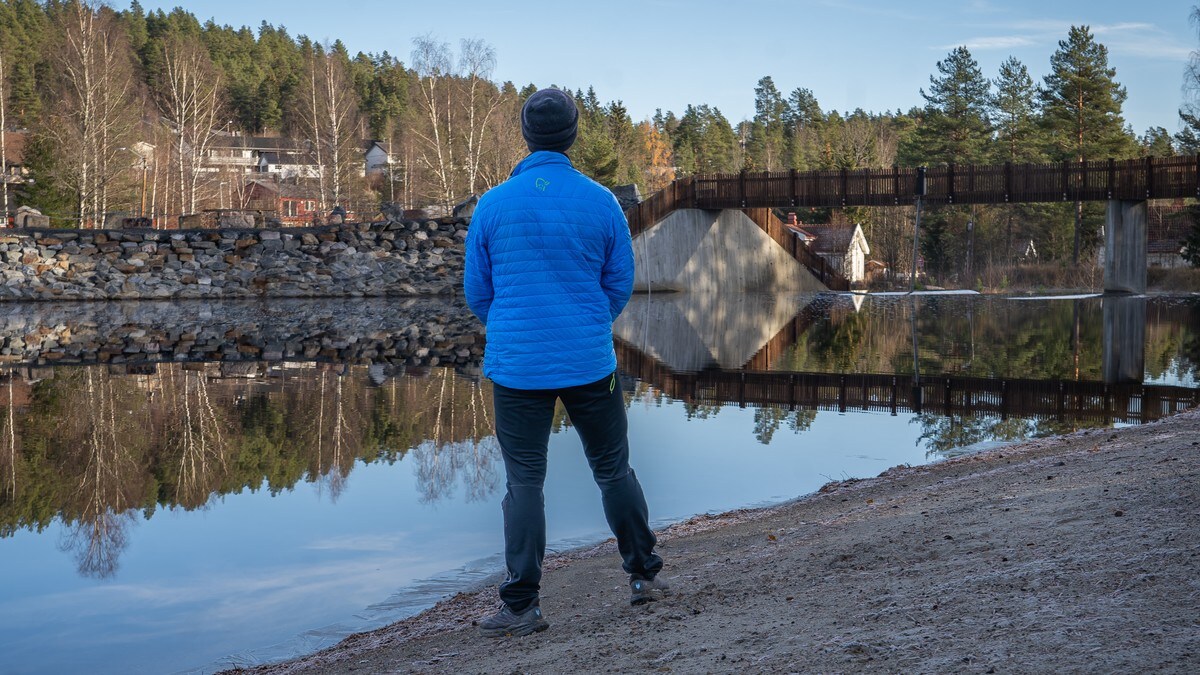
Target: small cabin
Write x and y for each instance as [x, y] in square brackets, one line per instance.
[295, 204]
[844, 247]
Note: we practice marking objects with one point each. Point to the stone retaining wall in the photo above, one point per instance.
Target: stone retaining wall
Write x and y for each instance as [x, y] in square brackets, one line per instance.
[388, 258]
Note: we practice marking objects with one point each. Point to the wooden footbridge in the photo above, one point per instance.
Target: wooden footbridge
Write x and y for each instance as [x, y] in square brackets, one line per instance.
[1130, 181]
[1061, 400]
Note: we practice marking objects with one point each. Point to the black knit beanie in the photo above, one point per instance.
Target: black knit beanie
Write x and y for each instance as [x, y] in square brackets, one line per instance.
[549, 120]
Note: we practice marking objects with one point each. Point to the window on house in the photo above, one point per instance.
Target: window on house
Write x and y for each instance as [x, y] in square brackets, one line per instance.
[289, 208]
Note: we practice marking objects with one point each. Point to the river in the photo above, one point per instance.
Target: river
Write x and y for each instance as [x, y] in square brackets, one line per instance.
[186, 487]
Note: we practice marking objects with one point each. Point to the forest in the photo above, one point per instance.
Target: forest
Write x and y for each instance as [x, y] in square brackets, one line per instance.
[111, 101]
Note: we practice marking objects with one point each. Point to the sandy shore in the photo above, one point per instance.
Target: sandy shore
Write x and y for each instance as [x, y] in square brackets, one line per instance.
[1078, 553]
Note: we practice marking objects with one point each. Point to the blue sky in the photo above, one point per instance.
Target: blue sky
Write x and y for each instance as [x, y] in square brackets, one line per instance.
[872, 54]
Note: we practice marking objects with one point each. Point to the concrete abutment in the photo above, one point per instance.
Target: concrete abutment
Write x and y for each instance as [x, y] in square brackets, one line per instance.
[1125, 247]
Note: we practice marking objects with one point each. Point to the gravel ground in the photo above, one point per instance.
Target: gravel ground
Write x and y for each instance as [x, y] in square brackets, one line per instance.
[1077, 553]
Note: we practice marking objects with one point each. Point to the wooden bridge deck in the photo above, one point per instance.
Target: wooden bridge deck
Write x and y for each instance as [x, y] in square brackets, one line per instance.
[1062, 400]
[1135, 179]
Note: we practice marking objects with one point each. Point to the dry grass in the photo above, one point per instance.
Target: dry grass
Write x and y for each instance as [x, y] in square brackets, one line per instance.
[1175, 280]
[1061, 277]
[1041, 277]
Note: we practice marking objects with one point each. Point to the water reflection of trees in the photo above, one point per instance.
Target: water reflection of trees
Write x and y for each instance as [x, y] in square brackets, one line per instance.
[441, 461]
[770, 418]
[104, 438]
[196, 432]
[90, 446]
[942, 434]
[990, 337]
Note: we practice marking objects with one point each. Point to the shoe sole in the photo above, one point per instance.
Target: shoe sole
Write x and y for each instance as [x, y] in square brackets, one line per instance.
[515, 631]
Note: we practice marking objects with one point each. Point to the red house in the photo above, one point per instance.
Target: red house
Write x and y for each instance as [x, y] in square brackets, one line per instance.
[294, 204]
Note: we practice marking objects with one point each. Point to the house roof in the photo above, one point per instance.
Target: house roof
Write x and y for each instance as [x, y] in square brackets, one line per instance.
[261, 143]
[302, 190]
[1164, 246]
[369, 143]
[14, 146]
[831, 238]
[294, 158]
[796, 229]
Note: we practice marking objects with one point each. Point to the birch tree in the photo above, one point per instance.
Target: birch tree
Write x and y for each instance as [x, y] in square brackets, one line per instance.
[187, 92]
[330, 121]
[3, 137]
[477, 60]
[432, 62]
[95, 112]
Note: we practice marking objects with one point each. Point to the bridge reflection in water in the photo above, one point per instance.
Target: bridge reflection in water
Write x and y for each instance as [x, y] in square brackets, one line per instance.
[713, 351]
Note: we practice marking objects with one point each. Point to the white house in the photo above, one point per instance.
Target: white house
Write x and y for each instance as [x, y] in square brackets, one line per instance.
[377, 159]
[842, 246]
[288, 165]
[242, 154]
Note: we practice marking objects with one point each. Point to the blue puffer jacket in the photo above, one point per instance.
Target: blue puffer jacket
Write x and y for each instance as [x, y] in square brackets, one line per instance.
[549, 267]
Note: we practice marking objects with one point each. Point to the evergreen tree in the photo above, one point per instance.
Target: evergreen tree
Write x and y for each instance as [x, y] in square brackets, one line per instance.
[802, 121]
[1081, 101]
[25, 36]
[1156, 143]
[1191, 242]
[593, 152]
[704, 141]
[954, 126]
[766, 142]
[1081, 112]
[1013, 110]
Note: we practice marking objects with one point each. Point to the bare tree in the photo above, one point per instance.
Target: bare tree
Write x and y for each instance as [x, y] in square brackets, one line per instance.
[329, 122]
[199, 431]
[477, 60]
[505, 146]
[187, 92]
[105, 443]
[432, 62]
[11, 443]
[95, 112]
[3, 138]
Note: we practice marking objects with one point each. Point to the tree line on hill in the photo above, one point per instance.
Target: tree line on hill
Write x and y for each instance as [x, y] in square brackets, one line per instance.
[96, 87]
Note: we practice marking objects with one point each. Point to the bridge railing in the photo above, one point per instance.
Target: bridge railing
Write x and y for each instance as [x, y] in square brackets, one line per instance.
[1134, 179]
[947, 395]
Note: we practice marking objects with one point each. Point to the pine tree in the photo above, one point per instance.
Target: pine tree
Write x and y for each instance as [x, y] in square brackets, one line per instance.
[1013, 110]
[1156, 142]
[1081, 101]
[593, 152]
[1191, 242]
[1081, 109]
[802, 121]
[954, 124]
[766, 145]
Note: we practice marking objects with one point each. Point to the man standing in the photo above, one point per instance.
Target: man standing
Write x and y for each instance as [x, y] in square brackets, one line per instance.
[549, 267]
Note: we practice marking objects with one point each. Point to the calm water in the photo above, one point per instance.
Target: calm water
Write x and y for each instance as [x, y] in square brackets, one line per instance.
[189, 516]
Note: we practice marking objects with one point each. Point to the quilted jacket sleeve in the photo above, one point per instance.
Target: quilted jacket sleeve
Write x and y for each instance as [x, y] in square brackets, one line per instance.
[477, 275]
[617, 275]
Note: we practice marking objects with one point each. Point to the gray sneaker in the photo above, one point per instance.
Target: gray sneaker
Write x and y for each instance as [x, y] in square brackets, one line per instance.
[507, 623]
[646, 590]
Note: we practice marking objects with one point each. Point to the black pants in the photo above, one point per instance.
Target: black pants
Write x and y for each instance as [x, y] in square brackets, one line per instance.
[523, 420]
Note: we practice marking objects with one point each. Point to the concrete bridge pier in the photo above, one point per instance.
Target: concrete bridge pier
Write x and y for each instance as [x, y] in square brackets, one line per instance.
[1125, 248]
[1124, 339]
